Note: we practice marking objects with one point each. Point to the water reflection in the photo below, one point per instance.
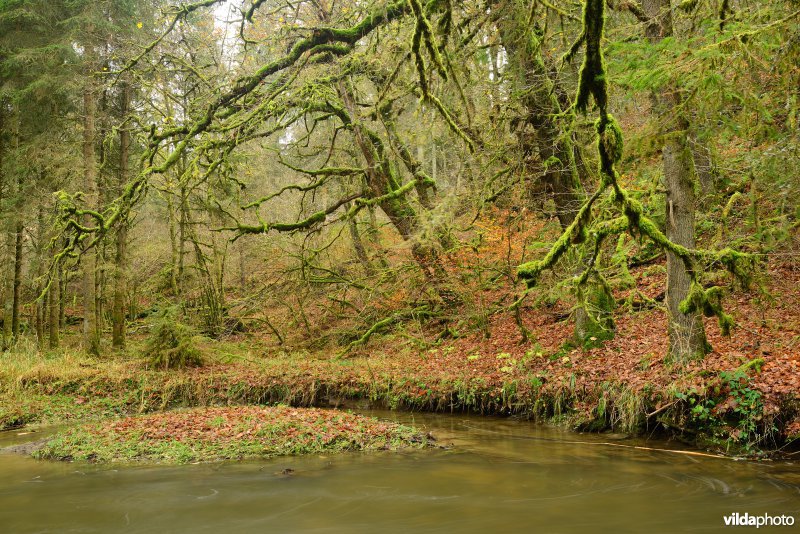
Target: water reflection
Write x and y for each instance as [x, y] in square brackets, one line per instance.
[500, 474]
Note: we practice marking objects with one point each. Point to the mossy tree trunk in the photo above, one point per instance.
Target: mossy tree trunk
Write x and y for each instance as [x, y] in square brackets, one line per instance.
[54, 308]
[172, 222]
[14, 253]
[183, 235]
[358, 245]
[703, 166]
[383, 183]
[543, 143]
[40, 305]
[3, 180]
[17, 280]
[687, 338]
[538, 133]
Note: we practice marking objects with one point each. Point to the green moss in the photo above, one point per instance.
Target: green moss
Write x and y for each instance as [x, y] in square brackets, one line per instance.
[171, 343]
[740, 264]
[610, 142]
[709, 302]
[592, 80]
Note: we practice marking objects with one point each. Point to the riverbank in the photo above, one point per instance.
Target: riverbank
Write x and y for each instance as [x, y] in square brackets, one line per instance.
[73, 388]
[741, 399]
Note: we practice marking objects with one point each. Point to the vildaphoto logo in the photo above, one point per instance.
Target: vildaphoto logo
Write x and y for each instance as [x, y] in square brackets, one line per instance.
[746, 520]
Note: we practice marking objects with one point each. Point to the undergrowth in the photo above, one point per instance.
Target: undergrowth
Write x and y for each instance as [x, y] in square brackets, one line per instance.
[730, 414]
[172, 344]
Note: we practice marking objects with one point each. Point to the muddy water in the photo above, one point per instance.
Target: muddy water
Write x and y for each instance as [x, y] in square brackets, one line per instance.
[500, 476]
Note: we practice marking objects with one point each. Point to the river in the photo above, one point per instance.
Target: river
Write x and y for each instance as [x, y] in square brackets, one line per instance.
[499, 475]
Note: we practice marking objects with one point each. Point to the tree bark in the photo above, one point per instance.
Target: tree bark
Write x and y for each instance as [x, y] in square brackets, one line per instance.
[120, 256]
[537, 132]
[13, 274]
[8, 283]
[172, 221]
[183, 217]
[54, 298]
[703, 166]
[5, 332]
[15, 307]
[40, 305]
[91, 332]
[358, 246]
[687, 338]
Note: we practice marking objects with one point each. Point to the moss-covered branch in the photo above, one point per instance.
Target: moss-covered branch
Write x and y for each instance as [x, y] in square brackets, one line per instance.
[305, 224]
[593, 84]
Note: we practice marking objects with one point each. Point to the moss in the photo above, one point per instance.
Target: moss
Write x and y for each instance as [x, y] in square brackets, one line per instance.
[171, 343]
[709, 302]
[592, 80]
[448, 118]
[610, 142]
[423, 33]
[530, 271]
[740, 264]
[755, 364]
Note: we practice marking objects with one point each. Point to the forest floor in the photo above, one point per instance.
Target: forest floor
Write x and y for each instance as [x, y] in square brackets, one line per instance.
[742, 398]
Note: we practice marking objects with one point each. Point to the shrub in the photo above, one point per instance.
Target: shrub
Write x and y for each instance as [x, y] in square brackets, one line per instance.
[172, 343]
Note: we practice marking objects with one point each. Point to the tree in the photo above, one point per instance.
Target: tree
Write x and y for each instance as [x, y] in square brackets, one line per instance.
[687, 338]
[121, 241]
[36, 92]
[593, 84]
[540, 131]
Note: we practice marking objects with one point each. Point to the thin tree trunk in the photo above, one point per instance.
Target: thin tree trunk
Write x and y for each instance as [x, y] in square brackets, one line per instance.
[13, 249]
[242, 267]
[173, 240]
[16, 304]
[687, 338]
[54, 297]
[183, 215]
[40, 305]
[703, 166]
[358, 247]
[91, 332]
[2, 182]
[426, 193]
[62, 298]
[8, 302]
[6, 324]
[120, 256]
[374, 237]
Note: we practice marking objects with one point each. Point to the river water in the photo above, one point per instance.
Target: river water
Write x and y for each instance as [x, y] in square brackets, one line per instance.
[501, 475]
